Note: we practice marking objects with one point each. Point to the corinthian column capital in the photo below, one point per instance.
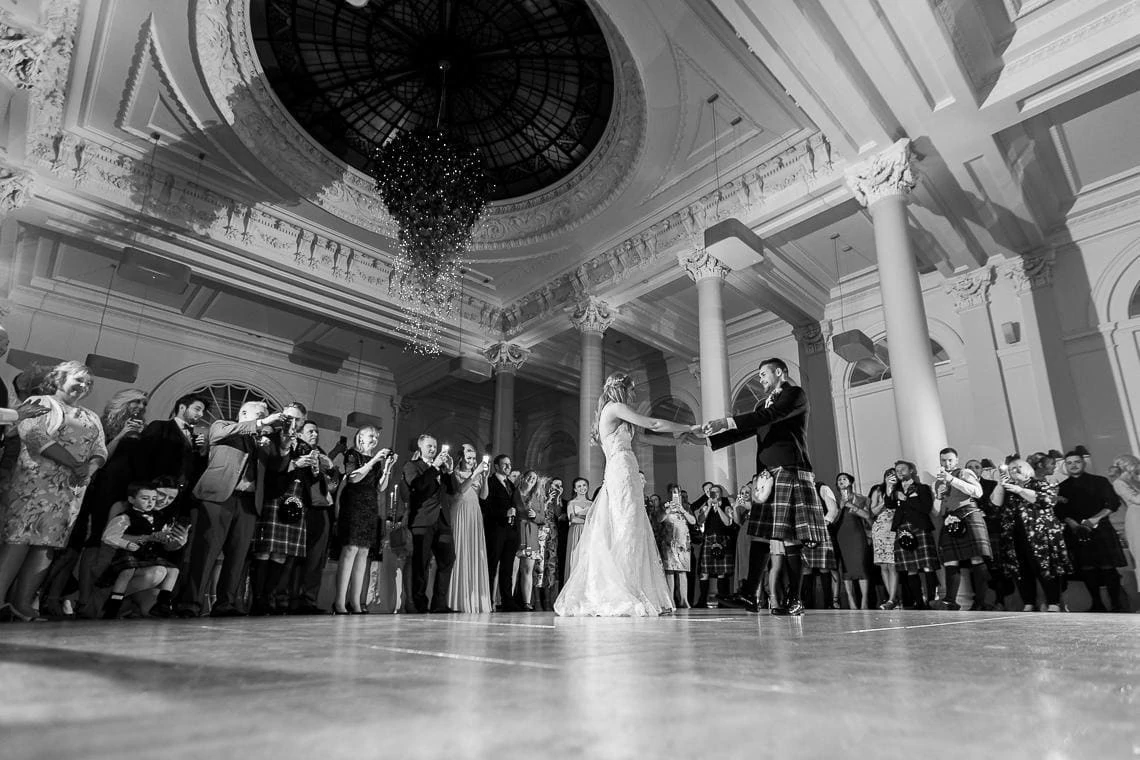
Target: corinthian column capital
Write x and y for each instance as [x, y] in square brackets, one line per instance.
[16, 188]
[1028, 273]
[813, 336]
[971, 290]
[888, 173]
[701, 265]
[506, 357]
[593, 315]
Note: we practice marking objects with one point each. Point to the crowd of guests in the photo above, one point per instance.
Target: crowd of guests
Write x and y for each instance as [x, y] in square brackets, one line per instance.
[1031, 525]
[113, 516]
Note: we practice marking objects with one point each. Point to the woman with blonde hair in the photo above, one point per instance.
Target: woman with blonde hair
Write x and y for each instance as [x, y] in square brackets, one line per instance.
[532, 489]
[470, 587]
[359, 513]
[617, 568]
[1125, 477]
[59, 453]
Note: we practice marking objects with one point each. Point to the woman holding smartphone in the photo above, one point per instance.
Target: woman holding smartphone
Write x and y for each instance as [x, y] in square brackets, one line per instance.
[470, 588]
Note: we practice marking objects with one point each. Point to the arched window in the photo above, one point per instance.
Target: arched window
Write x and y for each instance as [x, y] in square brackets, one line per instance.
[1134, 304]
[751, 394]
[226, 399]
[875, 370]
[674, 410]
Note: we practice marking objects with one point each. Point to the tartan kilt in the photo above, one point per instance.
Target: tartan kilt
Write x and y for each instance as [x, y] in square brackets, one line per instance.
[275, 537]
[146, 556]
[1101, 548]
[793, 512]
[975, 542]
[718, 557]
[820, 557]
[924, 555]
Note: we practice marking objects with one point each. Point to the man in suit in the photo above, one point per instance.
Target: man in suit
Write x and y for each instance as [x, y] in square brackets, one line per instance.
[231, 493]
[171, 447]
[793, 514]
[501, 504]
[427, 479]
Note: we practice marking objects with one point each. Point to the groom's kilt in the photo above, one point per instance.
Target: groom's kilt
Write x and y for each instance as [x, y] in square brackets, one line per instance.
[793, 513]
[974, 542]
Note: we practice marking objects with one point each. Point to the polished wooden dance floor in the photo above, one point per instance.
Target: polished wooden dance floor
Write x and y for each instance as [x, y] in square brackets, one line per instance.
[712, 684]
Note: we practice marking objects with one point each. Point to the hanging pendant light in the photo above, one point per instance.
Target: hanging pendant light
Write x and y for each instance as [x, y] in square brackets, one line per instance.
[853, 346]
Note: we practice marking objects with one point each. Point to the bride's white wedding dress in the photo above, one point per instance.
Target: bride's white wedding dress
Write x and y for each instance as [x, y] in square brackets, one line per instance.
[617, 570]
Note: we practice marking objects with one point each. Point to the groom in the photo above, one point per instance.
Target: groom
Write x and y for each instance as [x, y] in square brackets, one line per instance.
[793, 513]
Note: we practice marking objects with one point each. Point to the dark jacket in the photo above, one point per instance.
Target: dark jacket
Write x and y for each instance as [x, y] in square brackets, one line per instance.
[781, 431]
[913, 506]
[499, 500]
[164, 450]
[427, 490]
[231, 446]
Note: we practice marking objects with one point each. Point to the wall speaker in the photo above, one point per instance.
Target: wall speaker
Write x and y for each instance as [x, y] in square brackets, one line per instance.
[734, 244]
[22, 360]
[112, 369]
[155, 271]
[469, 368]
[1011, 331]
[318, 357]
[360, 419]
[325, 421]
[854, 346]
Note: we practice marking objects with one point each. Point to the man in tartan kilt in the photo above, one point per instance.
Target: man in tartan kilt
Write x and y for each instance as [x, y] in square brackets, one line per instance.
[964, 540]
[915, 550]
[793, 514]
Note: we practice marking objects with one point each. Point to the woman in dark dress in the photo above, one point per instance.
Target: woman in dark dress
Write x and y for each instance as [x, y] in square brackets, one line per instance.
[359, 507]
[853, 539]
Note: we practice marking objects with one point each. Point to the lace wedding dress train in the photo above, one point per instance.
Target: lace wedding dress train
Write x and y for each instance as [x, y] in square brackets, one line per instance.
[617, 570]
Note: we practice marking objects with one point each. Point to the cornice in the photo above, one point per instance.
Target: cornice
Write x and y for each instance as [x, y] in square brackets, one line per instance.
[796, 172]
[238, 87]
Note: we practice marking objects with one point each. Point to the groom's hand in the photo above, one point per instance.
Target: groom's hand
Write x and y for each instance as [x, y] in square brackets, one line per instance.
[716, 426]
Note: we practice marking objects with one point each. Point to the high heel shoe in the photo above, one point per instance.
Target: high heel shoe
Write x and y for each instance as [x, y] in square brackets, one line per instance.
[335, 611]
[9, 612]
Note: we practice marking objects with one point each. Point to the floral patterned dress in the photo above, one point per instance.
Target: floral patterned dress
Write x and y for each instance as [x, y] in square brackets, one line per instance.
[546, 566]
[42, 503]
[1044, 532]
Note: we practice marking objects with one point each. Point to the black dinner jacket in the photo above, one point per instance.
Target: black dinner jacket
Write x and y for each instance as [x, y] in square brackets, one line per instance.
[164, 450]
[780, 429]
[499, 499]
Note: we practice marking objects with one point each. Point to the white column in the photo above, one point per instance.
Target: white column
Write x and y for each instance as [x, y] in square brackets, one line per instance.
[709, 273]
[505, 359]
[882, 184]
[592, 318]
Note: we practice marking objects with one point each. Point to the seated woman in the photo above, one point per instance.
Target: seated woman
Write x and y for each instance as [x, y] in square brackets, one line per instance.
[143, 536]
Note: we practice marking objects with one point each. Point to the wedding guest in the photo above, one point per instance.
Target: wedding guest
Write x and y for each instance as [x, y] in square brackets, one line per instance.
[674, 545]
[1084, 503]
[577, 509]
[883, 537]
[428, 485]
[1002, 587]
[546, 566]
[532, 490]
[230, 494]
[315, 470]
[820, 561]
[143, 537]
[122, 422]
[59, 453]
[915, 550]
[369, 468]
[26, 384]
[501, 504]
[717, 558]
[740, 509]
[1125, 477]
[279, 536]
[470, 585]
[964, 539]
[1032, 546]
[174, 446]
[852, 539]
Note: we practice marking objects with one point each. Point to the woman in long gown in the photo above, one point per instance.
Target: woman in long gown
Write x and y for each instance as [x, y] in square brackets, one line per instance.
[577, 510]
[470, 589]
[617, 569]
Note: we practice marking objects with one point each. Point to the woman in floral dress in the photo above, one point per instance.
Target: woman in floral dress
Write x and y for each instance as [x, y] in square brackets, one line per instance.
[1031, 548]
[883, 539]
[59, 453]
[673, 543]
[546, 566]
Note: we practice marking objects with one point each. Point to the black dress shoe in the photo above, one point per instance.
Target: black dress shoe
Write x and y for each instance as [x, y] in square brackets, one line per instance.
[736, 600]
[795, 607]
[444, 611]
[753, 605]
[309, 609]
[185, 613]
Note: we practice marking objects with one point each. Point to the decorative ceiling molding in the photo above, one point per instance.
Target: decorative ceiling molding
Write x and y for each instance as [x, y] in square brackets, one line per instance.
[792, 174]
[149, 51]
[237, 84]
[24, 48]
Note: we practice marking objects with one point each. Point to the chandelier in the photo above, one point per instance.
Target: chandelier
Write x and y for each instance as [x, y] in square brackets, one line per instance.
[435, 188]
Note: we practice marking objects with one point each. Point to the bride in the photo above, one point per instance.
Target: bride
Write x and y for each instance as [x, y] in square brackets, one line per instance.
[616, 567]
